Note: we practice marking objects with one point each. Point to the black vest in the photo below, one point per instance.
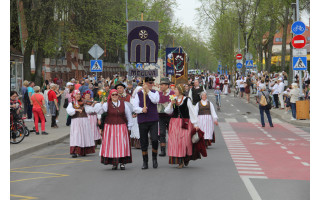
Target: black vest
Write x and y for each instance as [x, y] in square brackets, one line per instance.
[196, 95]
[181, 110]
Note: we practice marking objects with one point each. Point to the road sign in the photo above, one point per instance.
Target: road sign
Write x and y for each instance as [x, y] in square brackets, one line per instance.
[298, 28]
[249, 63]
[299, 63]
[299, 41]
[139, 66]
[239, 56]
[239, 61]
[96, 65]
[96, 51]
[239, 65]
[249, 56]
[299, 52]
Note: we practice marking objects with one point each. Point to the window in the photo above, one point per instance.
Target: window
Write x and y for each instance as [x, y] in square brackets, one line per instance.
[308, 38]
[278, 39]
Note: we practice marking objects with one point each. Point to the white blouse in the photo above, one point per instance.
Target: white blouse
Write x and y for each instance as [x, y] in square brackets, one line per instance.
[212, 110]
[100, 109]
[153, 96]
[192, 113]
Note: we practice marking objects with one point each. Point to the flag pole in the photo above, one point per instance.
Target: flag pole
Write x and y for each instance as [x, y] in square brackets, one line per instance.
[144, 92]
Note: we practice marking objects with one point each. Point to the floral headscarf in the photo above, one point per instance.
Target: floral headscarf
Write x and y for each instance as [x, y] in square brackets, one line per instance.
[73, 97]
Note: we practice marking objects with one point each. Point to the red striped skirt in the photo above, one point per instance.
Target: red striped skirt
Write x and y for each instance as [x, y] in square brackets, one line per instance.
[179, 139]
[115, 142]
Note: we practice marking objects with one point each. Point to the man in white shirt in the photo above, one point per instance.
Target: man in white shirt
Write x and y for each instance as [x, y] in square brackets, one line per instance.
[280, 91]
[275, 94]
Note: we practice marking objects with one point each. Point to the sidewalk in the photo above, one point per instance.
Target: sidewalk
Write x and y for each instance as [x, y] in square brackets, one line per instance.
[35, 142]
[281, 114]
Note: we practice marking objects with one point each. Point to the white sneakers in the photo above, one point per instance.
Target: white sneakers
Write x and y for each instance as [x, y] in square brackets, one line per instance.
[293, 118]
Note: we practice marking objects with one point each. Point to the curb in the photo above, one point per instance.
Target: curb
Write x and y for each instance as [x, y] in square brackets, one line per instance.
[277, 115]
[38, 147]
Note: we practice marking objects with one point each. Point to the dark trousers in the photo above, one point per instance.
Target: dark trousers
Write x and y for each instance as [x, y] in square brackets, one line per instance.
[164, 125]
[29, 111]
[68, 120]
[263, 109]
[144, 129]
[276, 100]
[293, 109]
[53, 121]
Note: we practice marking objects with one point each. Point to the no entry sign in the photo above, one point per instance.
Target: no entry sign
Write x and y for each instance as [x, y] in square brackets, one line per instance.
[299, 41]
[239, 56]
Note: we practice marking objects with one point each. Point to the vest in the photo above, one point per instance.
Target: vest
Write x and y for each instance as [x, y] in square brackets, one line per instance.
[78, 114]
[163, 103]
[204, 110]
[152, 114]
[196, 95]
[181, 111]
[126, 98]
[116, 115]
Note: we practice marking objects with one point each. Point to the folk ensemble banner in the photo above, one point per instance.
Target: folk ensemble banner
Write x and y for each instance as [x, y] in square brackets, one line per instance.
[143, 41]
[169, 59]
[179, 63]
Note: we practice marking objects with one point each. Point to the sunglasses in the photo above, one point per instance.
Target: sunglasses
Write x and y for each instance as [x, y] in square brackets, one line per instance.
[114, 95]
[150, 82]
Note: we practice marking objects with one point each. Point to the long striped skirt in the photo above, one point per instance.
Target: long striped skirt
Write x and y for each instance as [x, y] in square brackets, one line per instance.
[94, 128]
[205, 123]
[179, 141]
[115, 147]
[81, 140]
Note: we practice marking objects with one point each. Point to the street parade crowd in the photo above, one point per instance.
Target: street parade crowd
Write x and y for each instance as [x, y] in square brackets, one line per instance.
[119, 114]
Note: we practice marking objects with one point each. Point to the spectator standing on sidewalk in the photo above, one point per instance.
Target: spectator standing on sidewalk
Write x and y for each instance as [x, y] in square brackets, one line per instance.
[294, 96]
[24, 90]
[58, 93]
[247, 88]
[53, 105]
[37, 100]
[275, 93]
[45, 95]
[29, 109]
[281, 90]
[263, 107]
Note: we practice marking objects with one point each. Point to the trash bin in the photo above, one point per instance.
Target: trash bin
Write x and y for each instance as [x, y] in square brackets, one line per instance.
[303, 109]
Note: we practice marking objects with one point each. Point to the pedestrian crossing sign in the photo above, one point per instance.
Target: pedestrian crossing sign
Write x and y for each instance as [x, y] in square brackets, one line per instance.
[96, 65]
[249, 63]
[299, 63]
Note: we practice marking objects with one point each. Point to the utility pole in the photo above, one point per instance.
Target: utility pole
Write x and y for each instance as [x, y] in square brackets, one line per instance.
[300, 72]
[126, 46]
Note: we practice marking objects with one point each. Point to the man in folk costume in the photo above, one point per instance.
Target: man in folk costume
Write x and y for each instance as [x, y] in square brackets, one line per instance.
[115, 147]
[194, 93]
[123, 96]
[148, 119]
[164, 119]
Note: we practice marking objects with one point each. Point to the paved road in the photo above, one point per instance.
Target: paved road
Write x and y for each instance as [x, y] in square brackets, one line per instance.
[247, 162]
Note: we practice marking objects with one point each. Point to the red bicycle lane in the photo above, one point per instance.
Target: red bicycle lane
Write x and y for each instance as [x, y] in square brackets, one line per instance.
[280, 153]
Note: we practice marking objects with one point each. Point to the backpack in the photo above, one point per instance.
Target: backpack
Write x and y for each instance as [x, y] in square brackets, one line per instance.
[26, 97]
[268, 100]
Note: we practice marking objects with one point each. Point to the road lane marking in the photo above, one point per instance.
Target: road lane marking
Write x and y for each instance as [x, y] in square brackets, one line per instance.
[290, 152]
[53, 175]
[242, 156]
[251, 165]
[238, 158]
[252, 120]
[249, 168]
[251, 189]
[244, 161]
[297, 157]
[282, 147]
[237, 153]
[230, 120]
[238, 110]
[250, 172]
[305, 163]
[22, 197]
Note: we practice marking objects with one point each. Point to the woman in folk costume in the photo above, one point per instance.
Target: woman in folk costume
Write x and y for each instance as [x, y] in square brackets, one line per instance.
[207, 117]
[183, 120]
[135, 134]
[92, 115]
[115, 146]
[225, 86]
[81, 139]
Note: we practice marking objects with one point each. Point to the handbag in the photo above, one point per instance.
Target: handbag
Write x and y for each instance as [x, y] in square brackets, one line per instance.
[43, 108]
[185, 123]
[66, 102]
[195, 138]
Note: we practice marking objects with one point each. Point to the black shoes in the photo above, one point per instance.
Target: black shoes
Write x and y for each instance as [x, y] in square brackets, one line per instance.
[145, 162]
[263, 125]
[271, 125]
[44, 133]
[114, 167]
[37, 133]
[163, 151]
[74, 155]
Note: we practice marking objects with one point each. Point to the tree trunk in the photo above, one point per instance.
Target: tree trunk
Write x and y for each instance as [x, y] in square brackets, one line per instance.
[284, 39]
[290, 77]
[26, 60]
[270, 44]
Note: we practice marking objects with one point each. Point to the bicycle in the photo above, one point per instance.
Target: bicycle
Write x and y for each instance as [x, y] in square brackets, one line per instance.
[17, 128]
[218, 101]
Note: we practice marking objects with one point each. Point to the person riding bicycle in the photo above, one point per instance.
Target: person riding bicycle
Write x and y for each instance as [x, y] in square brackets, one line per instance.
[14, 102]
